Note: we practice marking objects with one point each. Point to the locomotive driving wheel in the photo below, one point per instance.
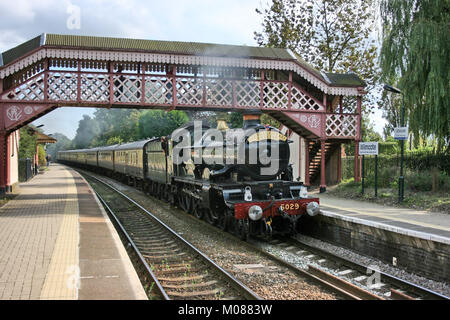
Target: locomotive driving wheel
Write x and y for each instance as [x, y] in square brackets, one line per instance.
[182, 201]
[198, 212]
[220, 217]
[209, 217]
[223, 221]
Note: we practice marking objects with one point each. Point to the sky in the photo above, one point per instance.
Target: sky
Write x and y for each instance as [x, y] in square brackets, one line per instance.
[211, 21]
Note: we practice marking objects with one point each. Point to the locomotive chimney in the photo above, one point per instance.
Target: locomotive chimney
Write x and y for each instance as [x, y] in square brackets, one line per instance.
[252, 118]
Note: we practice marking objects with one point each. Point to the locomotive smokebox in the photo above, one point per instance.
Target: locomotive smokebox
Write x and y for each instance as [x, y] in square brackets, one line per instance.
[252, 118]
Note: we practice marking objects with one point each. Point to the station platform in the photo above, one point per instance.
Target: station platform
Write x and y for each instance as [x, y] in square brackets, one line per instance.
[57, 242]
[418, 223]
[414, 240]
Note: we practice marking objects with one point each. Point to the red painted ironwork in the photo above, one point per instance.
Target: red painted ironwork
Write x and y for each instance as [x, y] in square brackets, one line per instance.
[8, 163]
[293, 207]
[323, 184]
[307, 182]
[49, 83]
[339, 164]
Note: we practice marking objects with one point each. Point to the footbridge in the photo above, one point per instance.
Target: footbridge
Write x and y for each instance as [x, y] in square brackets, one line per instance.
[52, 71]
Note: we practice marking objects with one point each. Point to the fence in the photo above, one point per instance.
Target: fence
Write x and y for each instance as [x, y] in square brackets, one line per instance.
[25, 169]
[418, 170]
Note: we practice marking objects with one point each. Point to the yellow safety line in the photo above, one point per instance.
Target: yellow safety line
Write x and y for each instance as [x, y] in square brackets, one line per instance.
[62, 279]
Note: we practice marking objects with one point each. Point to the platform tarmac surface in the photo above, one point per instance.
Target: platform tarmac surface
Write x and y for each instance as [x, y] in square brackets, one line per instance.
[420, 223]
[56, 242]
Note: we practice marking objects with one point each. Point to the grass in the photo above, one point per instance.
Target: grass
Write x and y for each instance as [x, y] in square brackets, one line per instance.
[421, 200]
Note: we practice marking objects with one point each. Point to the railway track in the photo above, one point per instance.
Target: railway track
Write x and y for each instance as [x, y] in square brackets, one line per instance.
[342, 289]
[363, 281]
[339, 275]
[174, 269]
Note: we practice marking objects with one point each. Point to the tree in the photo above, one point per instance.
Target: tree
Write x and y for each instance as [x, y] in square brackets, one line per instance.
[42, 156]
[88, 128]
[391, 105]
[236, 120]
[62, 143]
[331, 35]
[27, 143]
[157, 123]
[415, 47]
[116, 125]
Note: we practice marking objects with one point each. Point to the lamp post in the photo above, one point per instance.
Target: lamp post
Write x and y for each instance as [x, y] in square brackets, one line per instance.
[401, 179]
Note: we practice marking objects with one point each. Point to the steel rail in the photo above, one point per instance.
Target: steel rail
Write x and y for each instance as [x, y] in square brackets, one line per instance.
[236, 284]
[390, 279]
[338, 288]
[159, 287]
[342, 287]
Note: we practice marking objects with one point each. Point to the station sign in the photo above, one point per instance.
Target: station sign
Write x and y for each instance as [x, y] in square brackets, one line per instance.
[368, 148]
[401, 133]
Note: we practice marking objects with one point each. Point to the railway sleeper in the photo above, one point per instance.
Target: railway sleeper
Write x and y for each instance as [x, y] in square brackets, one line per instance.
[146, 247]
[165, 256]
[153, 242]
[160, 252]
[215, 293]
[181, 279]
[152, 239]
[178, 270]
[191, 285]
[184, 264]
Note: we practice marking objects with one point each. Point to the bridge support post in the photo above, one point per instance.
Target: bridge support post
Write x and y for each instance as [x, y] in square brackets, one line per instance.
[339, 164]
[323, 186]
[3, 163]
[3, 147]
[306, 162]
[357, 178]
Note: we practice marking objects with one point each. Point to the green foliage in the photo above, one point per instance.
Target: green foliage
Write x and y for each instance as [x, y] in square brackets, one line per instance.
[41, 156]
[331, 35]
[87, 129]
[62, 143]
[157, 123]
[268, 120]
[416, 41]
[368, 132]
[348, 183]
[116, 123]
[388, 148]
[27, 143]
[417, 170]
[113, 126]
[236, 120]
[114, 140]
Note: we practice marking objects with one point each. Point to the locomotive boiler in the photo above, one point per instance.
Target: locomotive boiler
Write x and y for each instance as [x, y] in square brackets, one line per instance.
[237, 179]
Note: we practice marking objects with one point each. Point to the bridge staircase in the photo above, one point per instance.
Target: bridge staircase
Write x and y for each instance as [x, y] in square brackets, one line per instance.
[315, 155]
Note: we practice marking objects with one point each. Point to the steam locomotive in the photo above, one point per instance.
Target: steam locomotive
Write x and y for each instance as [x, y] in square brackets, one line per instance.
[237, 179]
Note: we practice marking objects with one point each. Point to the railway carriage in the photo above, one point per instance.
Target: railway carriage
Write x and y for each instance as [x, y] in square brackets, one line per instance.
[130, 160]
[105, 157]
[159, 162]
[234, 195]
[91, 157]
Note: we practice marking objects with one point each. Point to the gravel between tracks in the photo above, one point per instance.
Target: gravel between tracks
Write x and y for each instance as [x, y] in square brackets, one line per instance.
[440, 287]
[256, 271]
